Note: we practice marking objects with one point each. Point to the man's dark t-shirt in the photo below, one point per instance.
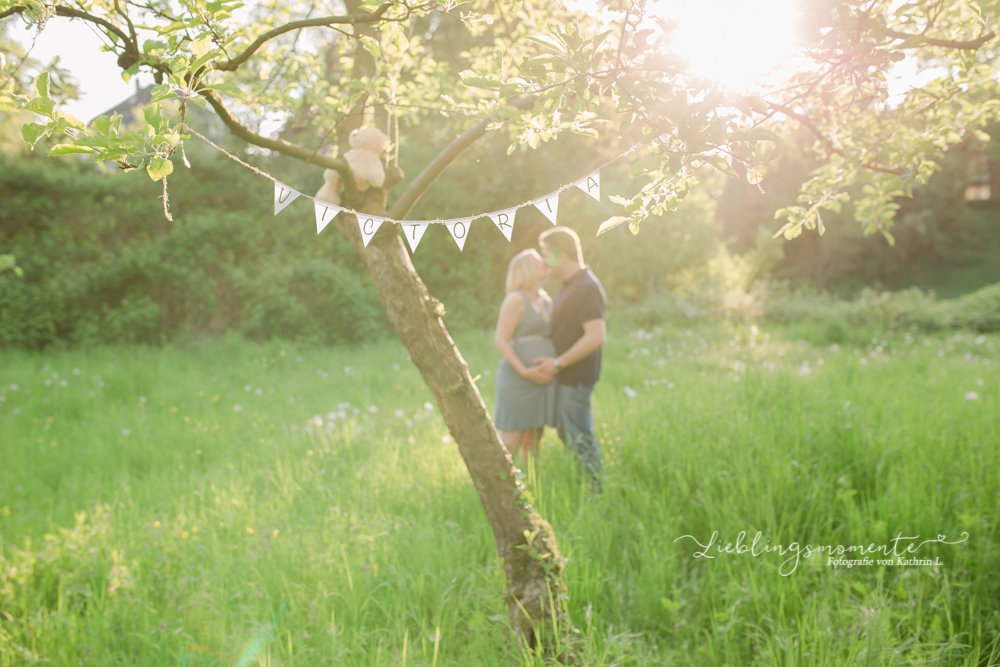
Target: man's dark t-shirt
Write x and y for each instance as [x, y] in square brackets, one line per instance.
[581, 299]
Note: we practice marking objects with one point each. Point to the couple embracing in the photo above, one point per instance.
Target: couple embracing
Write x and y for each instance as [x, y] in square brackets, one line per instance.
[551, 351]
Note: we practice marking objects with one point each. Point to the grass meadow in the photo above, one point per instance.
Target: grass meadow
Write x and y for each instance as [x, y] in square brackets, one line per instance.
[231, 503]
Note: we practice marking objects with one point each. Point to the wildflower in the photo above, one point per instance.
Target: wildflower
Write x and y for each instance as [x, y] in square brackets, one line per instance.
[274, 533]
[317, 420]
[142, 399]
[184, 534]
[428, 406]
[971, 396]
[237, 408]
[250, 530]
[979, 382]
[630, 392]
[126, 432]
[398, 413]
[76, 371]
[395, 367]
[247, 387]
[309, 453]
[258, 391]
[409, 423]
[63, 383]
[156, 524]
[14, 387]
[736, 378]
[446, 438]
[197, 452]
[980, 340]
[331, 416]
[48, 382]
[372, 409]
[348, 370]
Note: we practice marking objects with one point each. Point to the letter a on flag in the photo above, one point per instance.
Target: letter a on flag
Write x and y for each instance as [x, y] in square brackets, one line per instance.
[549, 206]
[591, 184]
[324, 214]
[414, 231]
[459, 230]
[504, 220]
[369, 224]
[283, 196]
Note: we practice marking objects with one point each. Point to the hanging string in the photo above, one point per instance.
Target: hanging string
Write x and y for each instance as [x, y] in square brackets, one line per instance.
[531, 202]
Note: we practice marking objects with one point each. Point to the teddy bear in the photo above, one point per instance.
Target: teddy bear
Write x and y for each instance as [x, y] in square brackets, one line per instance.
[332, 185]
[367, 144]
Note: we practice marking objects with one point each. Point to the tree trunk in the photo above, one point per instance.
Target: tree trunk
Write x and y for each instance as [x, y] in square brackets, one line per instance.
[524, 539]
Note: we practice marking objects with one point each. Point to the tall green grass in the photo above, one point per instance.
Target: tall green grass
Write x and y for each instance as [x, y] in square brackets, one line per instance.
[162, 506]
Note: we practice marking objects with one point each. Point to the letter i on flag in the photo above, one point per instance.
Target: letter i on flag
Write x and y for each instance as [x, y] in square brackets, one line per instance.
[324, 214]
[591, 184]
[283, 196]
[549, 206]
[459, 230]
[369, 224]
[504, 220]
[414, 231]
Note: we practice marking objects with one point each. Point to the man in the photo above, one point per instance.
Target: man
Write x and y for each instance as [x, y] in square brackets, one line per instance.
[578, 331]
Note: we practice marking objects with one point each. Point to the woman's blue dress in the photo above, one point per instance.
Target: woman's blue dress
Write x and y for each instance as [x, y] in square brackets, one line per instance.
[521, 404]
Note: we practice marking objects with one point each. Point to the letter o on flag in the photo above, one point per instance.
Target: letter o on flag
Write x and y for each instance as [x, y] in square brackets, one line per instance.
[455, 228]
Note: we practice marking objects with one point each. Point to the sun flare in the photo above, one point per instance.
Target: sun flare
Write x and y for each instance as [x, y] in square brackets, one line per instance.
[732, 41]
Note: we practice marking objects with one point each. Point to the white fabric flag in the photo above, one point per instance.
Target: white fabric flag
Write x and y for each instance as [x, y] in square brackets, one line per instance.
[549, 206]
[459, 230]
[591, 184]
[283, 196]
[324, 213]
[504, 220]
[414, 231]
[369, 224]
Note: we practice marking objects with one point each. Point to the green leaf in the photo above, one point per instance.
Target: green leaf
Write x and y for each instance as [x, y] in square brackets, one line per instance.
[610, 224]
[549, 43]
[42, 84]
[201, 46]
[69, 149]
[159, 167]
[720, 163]
[31, 132]
[41, 105]
[230, 89]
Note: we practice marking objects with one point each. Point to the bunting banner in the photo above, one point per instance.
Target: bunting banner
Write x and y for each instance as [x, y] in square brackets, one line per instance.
[325, 213]
[414, 231]
[283, 196]
[549, 206]
[504, 220]
[591, 184]
[369, 224]
[459, 231]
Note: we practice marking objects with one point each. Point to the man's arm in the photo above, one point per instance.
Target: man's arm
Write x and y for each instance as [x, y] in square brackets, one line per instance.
[594, 334]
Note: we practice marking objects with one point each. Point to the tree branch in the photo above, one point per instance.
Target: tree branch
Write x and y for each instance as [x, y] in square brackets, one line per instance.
[970, 45]
[436, 167]
[69, 12]
[347, 19]
[278, 145]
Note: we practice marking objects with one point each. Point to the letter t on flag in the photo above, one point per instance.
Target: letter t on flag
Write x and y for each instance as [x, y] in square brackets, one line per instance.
[549, 206]
[591, 184]
[283, 196]
[414, 231]
[324, 214]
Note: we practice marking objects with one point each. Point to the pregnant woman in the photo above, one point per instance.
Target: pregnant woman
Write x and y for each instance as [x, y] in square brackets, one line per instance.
[525, 396]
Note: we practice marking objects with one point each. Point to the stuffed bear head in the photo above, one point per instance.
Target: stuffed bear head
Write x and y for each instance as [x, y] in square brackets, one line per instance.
[369, 139]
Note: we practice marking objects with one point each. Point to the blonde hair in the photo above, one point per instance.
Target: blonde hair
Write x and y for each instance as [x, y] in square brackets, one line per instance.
[520, 272]
[565, 239]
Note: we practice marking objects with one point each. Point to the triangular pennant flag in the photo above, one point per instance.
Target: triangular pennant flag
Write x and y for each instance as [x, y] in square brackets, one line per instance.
[591, 184]
[369, 224]
[324, 213]
[414, 231]
[459, 230]
[283, 196]
[549, 206]
[504, 220]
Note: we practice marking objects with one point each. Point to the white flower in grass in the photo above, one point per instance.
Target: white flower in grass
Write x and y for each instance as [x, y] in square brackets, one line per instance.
[237, 408]
[142, 399]
[55, 375]
[971, 396]
[316, 420]
[398, 413]
[331, 416]
[247, 387]
[446, 439]
[126, 432]
[348, 370]
[76, 371]
[409, 423]
[980, 340]
[395, 367]
[630, 392]
[63, 383]
[372, 409]
[259, 391]
[14, 387]
[48, 381]
[979, 382]
[428, 406]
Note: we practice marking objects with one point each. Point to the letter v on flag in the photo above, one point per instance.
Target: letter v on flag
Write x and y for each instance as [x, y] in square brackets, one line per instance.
[283, 196]
[504, 220]
[414, 231]
[459, 230]
[591, 184]
[549, 206]
[369, 224]
[324, 214]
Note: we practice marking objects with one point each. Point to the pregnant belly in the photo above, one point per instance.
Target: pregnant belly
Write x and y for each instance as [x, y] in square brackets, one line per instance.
[529, 350]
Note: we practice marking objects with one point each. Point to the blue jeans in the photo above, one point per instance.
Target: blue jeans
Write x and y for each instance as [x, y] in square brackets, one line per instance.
[576, 426]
